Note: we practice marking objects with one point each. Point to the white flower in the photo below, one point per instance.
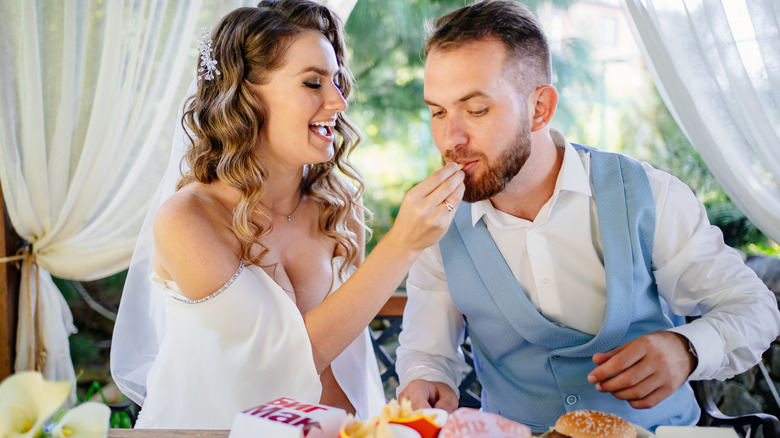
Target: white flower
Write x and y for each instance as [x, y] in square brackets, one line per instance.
[5, 422]
[28, 401]
[87, 420]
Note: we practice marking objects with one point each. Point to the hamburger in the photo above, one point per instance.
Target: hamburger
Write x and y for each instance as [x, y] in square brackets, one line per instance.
[591, 424]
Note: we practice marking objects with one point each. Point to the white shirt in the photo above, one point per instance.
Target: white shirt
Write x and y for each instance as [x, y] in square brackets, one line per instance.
[556, 259]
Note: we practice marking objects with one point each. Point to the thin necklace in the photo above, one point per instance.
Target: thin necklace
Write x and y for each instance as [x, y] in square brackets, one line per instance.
[289, 216]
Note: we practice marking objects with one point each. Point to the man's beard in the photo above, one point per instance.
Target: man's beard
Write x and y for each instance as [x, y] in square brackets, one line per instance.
[495, 176]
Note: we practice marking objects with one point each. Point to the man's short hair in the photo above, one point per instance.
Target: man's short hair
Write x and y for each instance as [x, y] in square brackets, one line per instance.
[508, 21]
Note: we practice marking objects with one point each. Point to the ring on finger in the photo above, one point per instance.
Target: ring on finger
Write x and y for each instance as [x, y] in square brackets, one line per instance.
[447, 204]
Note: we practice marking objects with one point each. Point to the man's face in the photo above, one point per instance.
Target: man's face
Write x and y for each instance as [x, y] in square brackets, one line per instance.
[478, 117]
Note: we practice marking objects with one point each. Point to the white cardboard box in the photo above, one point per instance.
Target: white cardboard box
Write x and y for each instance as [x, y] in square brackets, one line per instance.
[695, 432]
[288, 418]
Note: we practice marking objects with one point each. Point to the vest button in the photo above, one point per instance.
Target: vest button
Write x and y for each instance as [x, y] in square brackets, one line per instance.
[572, 399]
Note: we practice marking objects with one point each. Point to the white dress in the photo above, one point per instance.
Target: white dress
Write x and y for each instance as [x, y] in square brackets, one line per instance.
[242, 346]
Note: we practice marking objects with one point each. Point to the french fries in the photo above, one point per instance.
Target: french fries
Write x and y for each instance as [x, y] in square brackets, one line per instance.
[377, 427]
[373, 428]
[394, 411]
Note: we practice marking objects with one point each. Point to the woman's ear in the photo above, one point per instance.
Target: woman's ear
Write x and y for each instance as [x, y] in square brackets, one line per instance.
[543, 101]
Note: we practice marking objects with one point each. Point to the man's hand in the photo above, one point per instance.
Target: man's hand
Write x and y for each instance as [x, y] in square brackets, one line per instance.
[646, 370]
[425, 394]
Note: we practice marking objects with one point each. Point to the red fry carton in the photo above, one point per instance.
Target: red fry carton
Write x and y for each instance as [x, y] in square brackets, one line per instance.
[427, 423]
[288, 418]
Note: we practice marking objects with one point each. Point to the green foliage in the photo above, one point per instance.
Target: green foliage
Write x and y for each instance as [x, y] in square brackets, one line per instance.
[386, 41]
[573, 69]
[92, 390]
[119, 420]
[83, 349]
[738, 231]
[653, 135]
[650, 133]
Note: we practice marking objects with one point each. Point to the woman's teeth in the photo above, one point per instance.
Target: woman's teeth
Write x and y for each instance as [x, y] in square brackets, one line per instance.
[324, 129]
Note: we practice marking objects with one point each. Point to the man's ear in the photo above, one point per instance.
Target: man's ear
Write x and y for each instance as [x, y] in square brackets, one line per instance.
[543, 101]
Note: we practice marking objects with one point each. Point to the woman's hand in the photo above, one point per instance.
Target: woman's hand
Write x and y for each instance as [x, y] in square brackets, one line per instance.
[428, 208]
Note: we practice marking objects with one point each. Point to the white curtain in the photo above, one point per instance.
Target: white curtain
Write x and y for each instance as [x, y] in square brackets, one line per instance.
[716, 64]
[84, 91]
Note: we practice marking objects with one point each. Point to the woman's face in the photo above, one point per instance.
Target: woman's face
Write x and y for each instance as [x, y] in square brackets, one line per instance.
[302, 100]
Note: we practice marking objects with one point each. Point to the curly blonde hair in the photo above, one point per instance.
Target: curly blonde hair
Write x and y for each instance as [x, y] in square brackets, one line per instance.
[224, 118]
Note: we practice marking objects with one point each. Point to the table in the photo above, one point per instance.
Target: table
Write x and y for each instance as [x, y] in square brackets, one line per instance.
[162, 433]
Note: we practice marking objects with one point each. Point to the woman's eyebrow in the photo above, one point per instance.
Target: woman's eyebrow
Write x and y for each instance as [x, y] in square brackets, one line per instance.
[318, 70]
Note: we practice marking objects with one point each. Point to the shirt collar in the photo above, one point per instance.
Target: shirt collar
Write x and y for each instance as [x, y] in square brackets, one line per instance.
[572, 177]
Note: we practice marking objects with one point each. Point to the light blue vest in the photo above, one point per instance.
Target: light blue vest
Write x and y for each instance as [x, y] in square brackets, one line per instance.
[533, 370]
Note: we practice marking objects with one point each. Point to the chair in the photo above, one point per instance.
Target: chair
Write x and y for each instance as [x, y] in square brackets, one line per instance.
[385, 329]
[130, 408]
[389, 319]
[747, 426]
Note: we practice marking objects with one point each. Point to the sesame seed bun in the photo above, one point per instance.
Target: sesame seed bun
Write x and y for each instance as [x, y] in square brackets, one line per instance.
[594, 424]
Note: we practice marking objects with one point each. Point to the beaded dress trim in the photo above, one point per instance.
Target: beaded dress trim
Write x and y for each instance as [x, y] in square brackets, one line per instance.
[208, 297]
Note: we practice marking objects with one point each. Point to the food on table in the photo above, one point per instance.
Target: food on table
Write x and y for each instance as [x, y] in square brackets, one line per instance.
[471, 423]
[373, 428]
[592, 424]
[394, 413]
[427, 422]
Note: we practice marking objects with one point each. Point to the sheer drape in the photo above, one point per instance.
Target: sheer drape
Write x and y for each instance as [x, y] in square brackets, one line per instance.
[85, 88]
[88, 93]
[716, 64]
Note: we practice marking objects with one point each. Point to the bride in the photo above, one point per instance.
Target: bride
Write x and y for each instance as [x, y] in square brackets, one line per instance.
[261, 287]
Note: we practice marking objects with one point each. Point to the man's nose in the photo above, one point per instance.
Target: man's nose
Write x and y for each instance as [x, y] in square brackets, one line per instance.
[454, 133]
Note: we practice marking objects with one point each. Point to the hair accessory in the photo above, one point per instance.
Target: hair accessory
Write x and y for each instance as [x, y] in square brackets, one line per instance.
[208, 65]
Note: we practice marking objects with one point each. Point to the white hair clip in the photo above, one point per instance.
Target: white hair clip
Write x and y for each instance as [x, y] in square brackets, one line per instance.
[208, 65]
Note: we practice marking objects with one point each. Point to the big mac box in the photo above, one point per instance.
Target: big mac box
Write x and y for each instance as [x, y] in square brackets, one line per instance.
[288, 418]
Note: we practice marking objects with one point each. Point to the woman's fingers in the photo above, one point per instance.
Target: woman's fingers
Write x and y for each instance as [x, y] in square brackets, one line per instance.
[429, 184]
[438, 196]
[440, 185]
[450, 191]
[424, 216]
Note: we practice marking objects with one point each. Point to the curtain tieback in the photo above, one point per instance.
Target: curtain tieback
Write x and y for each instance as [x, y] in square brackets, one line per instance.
[37, 353]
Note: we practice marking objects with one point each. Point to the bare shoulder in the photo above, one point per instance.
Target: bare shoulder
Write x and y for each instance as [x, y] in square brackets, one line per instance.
[194, 243]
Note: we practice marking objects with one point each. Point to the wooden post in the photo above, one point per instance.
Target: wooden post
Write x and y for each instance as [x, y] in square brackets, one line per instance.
[9, 293]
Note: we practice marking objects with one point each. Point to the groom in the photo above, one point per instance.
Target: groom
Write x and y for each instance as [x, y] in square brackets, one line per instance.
[560, 260]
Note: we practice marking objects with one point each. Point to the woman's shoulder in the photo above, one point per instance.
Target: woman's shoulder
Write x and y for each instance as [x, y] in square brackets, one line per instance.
[194, 242]
[193, 209]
